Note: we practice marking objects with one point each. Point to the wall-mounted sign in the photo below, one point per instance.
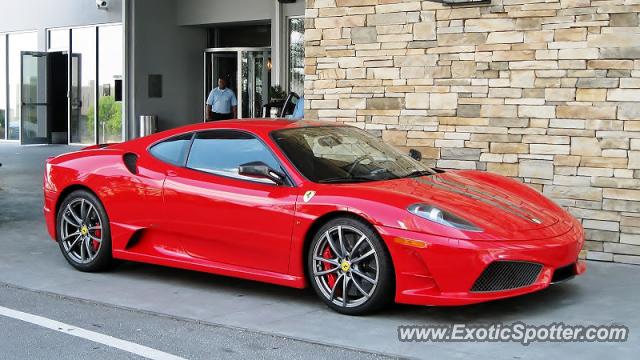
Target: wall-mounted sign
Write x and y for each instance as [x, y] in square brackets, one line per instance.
[155, 85]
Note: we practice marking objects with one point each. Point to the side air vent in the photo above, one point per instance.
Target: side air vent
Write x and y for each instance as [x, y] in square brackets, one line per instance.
[507, 275]
[135, 239]
[131, 162]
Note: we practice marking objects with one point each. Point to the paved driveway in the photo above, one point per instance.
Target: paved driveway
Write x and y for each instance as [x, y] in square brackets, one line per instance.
[607, 294]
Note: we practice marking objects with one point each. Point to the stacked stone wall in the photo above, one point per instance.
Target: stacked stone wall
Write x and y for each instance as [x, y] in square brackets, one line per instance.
[544, 91]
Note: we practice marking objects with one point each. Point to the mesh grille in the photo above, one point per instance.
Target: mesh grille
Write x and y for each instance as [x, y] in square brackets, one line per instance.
[506, 275]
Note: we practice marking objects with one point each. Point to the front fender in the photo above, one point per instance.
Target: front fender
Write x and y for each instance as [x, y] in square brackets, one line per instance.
[326, 202]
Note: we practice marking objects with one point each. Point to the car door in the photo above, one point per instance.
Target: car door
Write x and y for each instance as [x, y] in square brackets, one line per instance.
[223, 217]
[140, 202]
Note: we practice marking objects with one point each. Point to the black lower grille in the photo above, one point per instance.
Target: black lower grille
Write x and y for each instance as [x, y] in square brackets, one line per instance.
[506, 275]
[564, 273]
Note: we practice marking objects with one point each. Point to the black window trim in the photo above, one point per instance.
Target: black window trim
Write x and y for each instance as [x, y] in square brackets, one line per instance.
[288, 179]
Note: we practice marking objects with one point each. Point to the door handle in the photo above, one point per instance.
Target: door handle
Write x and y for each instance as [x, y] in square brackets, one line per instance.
[171, 173]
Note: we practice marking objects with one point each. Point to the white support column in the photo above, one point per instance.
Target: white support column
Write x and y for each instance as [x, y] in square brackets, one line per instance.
[276, 47]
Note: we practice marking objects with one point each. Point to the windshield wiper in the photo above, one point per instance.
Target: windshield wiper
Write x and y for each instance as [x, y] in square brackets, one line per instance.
[419, 173]
[346, 179]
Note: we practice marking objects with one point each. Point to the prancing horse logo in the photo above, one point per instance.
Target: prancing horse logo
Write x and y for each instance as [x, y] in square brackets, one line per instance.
[308, 195]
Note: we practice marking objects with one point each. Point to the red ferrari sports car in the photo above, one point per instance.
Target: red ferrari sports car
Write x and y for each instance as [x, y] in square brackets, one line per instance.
[299, 203]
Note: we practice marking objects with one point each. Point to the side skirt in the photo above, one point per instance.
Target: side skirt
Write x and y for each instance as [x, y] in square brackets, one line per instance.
[216, 268]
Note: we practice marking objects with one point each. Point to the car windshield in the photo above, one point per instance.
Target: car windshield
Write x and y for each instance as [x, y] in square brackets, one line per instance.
[337, 154]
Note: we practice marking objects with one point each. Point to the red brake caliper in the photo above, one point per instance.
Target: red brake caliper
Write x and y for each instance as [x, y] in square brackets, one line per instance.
[94, 244]
[331, 278]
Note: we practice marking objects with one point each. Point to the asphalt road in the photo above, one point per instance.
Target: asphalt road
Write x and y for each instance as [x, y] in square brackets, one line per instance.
[188, 339]
[197, 315]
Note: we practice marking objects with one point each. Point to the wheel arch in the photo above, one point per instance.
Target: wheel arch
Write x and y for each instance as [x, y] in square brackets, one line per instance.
[68, 190]
[325, 218]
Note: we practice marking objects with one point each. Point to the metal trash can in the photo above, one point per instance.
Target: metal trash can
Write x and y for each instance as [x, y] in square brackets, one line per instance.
[148, 124]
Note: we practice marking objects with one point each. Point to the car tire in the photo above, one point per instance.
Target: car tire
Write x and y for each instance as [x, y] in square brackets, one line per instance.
[82, 221]
[361, 257]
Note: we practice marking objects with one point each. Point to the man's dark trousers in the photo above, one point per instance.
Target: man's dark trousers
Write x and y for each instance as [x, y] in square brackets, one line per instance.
[220, 116]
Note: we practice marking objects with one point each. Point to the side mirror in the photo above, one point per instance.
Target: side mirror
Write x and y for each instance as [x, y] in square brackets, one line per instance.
[260, 170]
[415, 154]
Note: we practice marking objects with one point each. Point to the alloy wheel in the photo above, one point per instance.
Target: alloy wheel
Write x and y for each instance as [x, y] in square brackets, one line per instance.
[81, 231]
[345, 266]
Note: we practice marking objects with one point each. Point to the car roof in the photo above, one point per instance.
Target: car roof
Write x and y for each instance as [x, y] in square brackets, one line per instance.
[259, 124]
[262, 127]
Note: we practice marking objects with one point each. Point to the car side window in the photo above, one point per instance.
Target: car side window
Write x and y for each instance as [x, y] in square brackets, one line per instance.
[172, 150]
[221, 152]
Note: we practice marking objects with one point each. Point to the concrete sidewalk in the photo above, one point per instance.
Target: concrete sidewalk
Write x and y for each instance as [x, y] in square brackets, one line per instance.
[607, 294]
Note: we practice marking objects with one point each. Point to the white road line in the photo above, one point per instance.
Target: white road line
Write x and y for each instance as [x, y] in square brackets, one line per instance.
[110, 341]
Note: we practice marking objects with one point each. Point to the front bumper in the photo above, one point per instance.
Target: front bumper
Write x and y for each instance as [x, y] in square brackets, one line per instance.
[49, 211]
[444, 272]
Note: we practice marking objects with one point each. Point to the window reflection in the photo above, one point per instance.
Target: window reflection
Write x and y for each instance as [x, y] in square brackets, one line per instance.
[17, 44]
[83, 85]
[296, 55]
[109, 74]
[230, 149]
[172, 150]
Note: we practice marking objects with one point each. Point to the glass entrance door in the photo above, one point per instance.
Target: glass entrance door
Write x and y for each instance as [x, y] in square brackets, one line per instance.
[247, 73]
[43, 97]
[255, 82]
[34, 108]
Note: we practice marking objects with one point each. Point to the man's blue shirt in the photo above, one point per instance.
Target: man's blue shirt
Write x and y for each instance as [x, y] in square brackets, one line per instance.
[222, 101]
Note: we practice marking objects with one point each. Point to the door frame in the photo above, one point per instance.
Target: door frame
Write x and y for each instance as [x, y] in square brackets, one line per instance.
[36, 104]
[96, 93]
[239, 52]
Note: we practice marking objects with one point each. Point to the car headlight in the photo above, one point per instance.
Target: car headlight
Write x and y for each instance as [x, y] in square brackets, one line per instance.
[441, 217]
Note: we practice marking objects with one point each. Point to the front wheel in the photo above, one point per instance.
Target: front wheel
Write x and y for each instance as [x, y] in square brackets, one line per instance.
[83, 232]
[350, 268]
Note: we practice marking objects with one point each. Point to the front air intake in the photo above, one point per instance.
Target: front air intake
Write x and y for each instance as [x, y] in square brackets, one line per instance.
[507, 275]
[564, 273]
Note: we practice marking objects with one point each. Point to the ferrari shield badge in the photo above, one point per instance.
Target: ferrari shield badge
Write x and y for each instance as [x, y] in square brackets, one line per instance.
[308, 195]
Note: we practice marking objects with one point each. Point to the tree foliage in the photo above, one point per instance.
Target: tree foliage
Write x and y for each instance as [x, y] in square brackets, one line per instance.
[110, 116]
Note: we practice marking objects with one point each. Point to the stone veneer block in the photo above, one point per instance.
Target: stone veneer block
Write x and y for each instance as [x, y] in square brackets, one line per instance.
[545, 92]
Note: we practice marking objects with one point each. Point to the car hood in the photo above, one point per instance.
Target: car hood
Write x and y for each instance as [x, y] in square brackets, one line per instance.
[505, 209]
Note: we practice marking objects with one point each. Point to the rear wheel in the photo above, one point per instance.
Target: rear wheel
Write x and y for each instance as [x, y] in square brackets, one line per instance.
[350, 267]
[83, 232]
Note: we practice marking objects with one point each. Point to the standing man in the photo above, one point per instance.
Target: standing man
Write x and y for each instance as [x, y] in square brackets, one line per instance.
[222, 103]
